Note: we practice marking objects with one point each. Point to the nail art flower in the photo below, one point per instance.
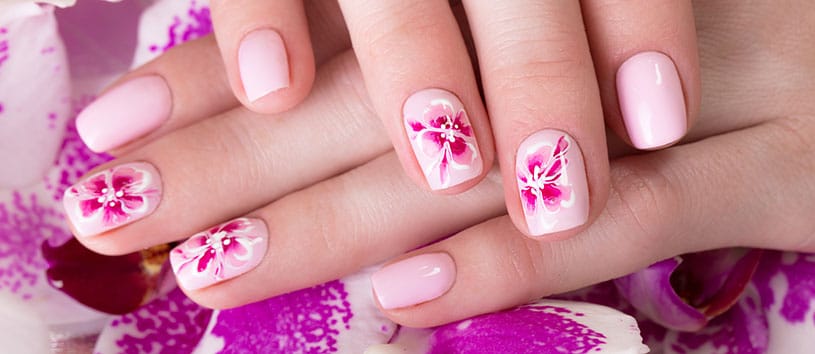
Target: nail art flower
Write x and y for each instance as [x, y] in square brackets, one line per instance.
[219, 253]
[445, 136]
[115, 195]
[542, 179]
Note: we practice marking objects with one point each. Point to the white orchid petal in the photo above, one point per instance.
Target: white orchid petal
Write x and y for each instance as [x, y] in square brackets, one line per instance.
[34, 92]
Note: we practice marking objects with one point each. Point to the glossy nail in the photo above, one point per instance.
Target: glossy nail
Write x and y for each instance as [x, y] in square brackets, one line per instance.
[651, 100]
[111, 198]
[442, 138]
[414, 280]
[263, 64]
[220, 253]
[552, 182]
[126, 112]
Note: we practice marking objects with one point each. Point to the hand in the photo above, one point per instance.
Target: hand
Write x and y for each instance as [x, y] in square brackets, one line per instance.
[315, 220]
[538, 78]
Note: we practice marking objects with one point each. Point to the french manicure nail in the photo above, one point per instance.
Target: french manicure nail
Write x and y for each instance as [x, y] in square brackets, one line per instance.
[220, 253]
[124, 113]
[263, 64]
[112, 198]
[651, 100]
[414, 280]
[552, 182]
[442, 138]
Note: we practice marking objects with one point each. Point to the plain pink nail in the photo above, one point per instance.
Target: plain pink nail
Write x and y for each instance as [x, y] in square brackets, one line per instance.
[651, 100]
[442, 138]
[263, 64]
[552, 182]
[124, 113]
[112, 198]
[220, 253]
[414, 280]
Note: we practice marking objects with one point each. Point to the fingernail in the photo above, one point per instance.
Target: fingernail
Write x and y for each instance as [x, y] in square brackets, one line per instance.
[124, 113]
[220, 253]
[263, 64]
[414, 280]
[112, 198]
[442, 138]
[651, 100]
[552, 182]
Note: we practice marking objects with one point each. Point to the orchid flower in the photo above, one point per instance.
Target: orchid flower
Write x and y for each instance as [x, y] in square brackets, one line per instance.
[55, 295]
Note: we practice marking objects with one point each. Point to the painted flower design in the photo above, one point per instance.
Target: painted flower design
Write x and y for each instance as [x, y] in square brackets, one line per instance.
[220, 253]
[443, 142]
[112, 198]
[542, 180]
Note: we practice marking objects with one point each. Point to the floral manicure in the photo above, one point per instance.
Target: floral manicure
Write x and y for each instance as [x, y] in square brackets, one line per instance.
[112, 198]
[442, 138]
[220, 253]
[552, 182]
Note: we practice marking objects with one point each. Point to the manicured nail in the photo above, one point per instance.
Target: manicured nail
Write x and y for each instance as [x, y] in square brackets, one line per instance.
[124, 113]
[111, 198]
[414, 280]
[263, 64]
[552, 182]
[442, 138]
[651, 100]
[222, 252]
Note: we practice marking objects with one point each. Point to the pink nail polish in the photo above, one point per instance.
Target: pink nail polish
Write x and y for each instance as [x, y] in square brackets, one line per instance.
[552, 182]
[111, 198]
[222, 252]
[651, 100]
[263, 64]
[124, 113]
[442, 138]
[414, 280]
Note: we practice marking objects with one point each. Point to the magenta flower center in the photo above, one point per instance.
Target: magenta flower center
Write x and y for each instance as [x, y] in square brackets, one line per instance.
[218, 241]
[110, 197]
[448, 129]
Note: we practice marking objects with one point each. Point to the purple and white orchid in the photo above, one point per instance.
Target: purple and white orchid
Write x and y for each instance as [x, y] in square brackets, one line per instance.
[52, 61]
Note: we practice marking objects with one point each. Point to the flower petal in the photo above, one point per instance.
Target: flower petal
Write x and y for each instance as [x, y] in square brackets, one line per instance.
[650, 292]
[335, 317]
[547, 326]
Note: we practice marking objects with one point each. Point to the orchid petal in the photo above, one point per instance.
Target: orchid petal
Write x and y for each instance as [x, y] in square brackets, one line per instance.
[684, 294]
[34, 92]
[546, 326]
[170, 324]
[335, 317]
[650, 292]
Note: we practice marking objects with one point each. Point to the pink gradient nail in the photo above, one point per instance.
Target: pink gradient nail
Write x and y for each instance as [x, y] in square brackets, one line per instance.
[414, 280]
[222, 252]
[552, 182]
[651, 100]
[124, 113]
[111, 198]
[263, 64]
[442, 139]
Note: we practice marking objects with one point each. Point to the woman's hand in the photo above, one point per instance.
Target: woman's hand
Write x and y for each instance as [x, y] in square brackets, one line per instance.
[662, 203]
[536, 62]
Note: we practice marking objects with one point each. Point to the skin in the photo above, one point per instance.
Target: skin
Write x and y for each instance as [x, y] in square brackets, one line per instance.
[750, 147]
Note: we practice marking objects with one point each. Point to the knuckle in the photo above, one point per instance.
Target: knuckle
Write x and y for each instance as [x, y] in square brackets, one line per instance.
[788, 148]
[642, 200]
[389, 29]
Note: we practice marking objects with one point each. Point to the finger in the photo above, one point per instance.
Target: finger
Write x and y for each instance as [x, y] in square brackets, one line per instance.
[421, 82]
[545, 109]
[267, 51]
[662, 204]
[340, 224]
[184, 85]
[158, 97]
[225, 166]
[647, 66]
